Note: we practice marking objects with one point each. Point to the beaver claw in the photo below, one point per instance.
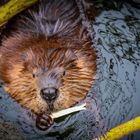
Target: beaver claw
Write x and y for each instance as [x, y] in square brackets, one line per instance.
[43, 122]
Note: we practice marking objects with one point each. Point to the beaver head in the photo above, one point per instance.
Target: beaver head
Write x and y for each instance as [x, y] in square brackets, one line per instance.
[45, 75]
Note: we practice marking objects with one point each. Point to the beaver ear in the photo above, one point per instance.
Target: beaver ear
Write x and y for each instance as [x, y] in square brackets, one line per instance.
[27, 55]
[71, 55]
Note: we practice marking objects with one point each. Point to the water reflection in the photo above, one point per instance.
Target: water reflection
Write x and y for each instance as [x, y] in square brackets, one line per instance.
[114, 97]
[117, 39]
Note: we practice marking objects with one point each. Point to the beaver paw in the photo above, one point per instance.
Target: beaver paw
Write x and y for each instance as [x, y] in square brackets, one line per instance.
[43, 122]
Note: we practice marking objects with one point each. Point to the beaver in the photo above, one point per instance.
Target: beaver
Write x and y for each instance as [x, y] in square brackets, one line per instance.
[48, 63]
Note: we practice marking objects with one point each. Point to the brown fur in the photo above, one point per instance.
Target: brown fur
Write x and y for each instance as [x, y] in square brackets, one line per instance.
[72, 61]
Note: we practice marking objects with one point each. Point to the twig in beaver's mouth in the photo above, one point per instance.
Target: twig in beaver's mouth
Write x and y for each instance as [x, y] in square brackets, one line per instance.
[68, 111]
[43, 122]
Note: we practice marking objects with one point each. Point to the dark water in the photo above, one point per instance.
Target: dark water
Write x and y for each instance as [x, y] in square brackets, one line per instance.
[118, 41]
[115, 96]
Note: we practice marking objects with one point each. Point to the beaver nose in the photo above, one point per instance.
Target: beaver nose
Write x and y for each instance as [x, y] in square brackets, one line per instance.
[49, 94]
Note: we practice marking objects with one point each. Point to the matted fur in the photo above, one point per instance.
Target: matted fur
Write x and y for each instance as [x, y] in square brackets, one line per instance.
[56, 17]
[48, 46]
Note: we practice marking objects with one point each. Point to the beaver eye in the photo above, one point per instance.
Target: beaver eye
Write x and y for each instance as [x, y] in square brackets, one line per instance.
[72, 65]
[64, 73]
[33, 75]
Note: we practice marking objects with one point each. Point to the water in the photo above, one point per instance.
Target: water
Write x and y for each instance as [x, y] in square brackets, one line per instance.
[114, 97]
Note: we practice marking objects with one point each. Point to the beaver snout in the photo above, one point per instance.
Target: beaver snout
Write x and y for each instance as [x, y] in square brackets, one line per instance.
[49, 94]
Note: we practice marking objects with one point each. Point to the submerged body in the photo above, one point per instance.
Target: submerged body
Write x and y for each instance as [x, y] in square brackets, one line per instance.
[47, 63]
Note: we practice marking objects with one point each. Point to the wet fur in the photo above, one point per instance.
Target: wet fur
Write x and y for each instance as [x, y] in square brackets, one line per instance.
[48, 42]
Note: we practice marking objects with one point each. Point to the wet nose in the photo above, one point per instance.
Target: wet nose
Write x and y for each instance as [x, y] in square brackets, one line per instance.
[49, 94]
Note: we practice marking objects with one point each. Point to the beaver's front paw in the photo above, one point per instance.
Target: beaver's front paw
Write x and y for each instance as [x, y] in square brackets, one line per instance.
[43, 122]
